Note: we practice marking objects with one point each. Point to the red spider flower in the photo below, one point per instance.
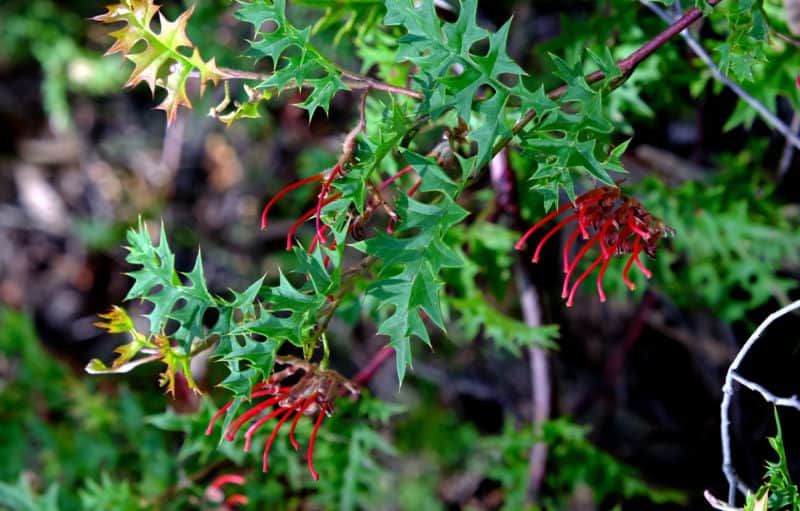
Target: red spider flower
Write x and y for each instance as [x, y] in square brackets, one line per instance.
[323, 199]
[617, 223]
[313, 393]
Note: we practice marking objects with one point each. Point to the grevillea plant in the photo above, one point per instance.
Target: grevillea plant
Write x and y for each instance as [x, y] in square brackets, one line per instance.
[439, 98]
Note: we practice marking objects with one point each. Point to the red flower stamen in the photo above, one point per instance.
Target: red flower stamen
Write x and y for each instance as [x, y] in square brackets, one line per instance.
[395, 176]
[268, 446]
[647, 273]
[306, 216]
[216, 416]
[248, 435]
[311, 443]
[283, 192]
[549, 235]
[297, 416]
[547, 218]
[581, 253]
[236, 500]
[326, 185]
[580, 279]
[634, 228]
[313, 392]
[606, 259]
[567, 245]
[214, 492]
[227, 479]
[237, 424]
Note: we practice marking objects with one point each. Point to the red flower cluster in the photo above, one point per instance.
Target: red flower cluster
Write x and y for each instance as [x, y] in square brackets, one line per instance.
[324, 198]
[617, 223]
[313, 393]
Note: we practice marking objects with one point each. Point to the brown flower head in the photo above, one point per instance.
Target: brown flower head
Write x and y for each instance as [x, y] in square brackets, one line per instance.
[313, 393]
[618, 224]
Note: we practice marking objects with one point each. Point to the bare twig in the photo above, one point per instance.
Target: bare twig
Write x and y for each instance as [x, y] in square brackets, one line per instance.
[503, 183]
[352, 80]
[767, 116]
[540, 383]
[727, 390]
[788, 149]
[769, 397]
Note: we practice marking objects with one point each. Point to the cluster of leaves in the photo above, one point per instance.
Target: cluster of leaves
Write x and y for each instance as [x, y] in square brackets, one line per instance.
[185, 318]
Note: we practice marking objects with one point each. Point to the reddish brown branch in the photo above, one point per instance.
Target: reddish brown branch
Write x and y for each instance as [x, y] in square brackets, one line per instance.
[369, 370]
[626, 66]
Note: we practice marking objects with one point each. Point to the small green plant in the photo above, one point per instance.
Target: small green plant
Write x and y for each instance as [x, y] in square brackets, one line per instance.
[439, 98]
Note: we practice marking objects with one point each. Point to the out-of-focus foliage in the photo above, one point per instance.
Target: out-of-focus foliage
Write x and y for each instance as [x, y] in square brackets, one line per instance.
[50, 34]
[731, 244]
[574, 463]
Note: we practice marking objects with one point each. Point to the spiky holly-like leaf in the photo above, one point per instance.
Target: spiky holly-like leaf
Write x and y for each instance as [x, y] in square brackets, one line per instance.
[304, 65]
[160, 64]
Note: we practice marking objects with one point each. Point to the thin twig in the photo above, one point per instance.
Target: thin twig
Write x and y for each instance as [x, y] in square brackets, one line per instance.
[769, 397]
[727, 394]
[503, 182]
[540, 383]
[788, 149]
[767, 116]
[352, 80]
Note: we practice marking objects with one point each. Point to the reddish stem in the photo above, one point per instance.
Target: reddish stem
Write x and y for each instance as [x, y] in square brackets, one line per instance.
[326, 185]
[366, 374]
[283, 192]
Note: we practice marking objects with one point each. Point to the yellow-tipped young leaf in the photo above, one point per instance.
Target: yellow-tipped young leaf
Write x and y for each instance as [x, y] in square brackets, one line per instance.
[160, 63]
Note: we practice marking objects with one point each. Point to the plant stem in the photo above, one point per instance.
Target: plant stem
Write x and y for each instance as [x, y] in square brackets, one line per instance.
[368, 371]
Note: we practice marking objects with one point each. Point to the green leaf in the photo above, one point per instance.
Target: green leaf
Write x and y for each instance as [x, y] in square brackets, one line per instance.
[420, 256]
[303, 66]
